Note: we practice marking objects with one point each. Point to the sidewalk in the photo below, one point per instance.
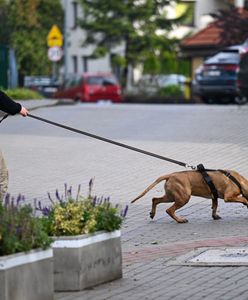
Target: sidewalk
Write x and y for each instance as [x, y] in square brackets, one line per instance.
[149, 247]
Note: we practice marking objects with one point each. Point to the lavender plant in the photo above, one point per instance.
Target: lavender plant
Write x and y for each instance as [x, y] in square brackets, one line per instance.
[68, 215]
[20, 229]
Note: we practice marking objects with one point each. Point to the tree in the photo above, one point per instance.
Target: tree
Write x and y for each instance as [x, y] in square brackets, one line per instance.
[133, 22]
[233, 23]
[27, 23]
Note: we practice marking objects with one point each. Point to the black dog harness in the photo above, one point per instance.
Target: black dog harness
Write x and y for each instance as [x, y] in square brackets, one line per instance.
[210, 183]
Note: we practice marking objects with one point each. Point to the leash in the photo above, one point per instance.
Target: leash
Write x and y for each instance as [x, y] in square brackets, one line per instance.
[112, 142]
[200, 168]
[4, 117]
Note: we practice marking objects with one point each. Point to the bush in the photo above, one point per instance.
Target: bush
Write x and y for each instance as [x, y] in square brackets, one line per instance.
[20, 230]
[80, 215]
[170, 91]
[23, 94]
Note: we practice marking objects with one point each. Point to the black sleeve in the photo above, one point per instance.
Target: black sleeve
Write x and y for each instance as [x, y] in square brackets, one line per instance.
[8, 105]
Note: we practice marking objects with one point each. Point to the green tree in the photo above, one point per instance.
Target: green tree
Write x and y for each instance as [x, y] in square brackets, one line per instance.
[27, 23]
[132, 22]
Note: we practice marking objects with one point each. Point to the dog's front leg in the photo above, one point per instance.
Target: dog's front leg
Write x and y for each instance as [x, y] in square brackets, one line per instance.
[241, 199]
[214, 209]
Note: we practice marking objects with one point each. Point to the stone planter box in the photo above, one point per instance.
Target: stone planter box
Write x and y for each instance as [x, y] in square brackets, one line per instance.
[27, 276]
[86, 260]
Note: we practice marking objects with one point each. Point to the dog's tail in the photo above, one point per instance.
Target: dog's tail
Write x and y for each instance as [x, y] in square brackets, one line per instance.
[157, 181]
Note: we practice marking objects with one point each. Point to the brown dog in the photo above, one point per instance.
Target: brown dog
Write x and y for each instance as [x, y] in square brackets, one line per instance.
[180, 186]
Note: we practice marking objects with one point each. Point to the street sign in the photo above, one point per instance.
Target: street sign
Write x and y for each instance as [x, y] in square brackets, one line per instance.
[55, 53]
[54, 37]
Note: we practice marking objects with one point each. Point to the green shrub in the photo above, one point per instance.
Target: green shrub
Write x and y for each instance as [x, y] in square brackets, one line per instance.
[23, 94]
[170, 90]
[20, 230]
[80, 215]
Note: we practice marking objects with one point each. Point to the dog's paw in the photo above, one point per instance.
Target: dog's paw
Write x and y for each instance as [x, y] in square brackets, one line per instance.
[216, 217]
[151, 215]
[182, 220]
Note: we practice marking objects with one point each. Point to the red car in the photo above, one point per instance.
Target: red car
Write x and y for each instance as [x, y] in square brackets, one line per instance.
[90, 87]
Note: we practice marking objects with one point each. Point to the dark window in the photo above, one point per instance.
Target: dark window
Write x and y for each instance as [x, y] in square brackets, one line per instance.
[75, 14]
[94, 80]
[75, 63]
[100, 80]
[85, 63]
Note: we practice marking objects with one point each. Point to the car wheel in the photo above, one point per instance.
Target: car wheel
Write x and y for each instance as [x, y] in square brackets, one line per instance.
[76, 99]
[208, 100]
[240, 100]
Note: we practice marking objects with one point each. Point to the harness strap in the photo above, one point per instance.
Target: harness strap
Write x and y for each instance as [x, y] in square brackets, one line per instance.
[234, 180]
[208, 181]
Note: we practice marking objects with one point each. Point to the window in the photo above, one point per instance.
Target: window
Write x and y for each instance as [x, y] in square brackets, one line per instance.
[75, 63]
[85, 63]
[75, 14]
[186, 9]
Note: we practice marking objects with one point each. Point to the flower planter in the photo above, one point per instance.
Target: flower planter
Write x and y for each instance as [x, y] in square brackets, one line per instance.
[86, 260]
[27, 276]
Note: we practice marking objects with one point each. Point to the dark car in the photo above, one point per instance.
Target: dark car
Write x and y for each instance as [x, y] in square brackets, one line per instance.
[242, 73]
[216, 80]
[44, 85]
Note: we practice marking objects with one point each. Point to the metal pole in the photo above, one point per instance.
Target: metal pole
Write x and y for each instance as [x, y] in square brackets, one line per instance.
[66, 38]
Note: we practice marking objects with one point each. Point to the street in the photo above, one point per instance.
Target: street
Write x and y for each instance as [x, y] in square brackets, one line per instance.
[41, 158]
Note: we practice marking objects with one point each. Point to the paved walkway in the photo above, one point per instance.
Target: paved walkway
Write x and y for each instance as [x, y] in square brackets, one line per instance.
[214, 135]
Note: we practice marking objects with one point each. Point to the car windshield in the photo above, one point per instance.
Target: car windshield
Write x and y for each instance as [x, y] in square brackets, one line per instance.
[100, 80]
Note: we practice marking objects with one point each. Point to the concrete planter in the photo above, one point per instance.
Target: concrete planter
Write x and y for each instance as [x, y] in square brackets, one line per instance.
[27, 276]
[86, 260]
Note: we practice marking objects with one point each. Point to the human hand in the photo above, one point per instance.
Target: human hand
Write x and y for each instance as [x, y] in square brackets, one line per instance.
[24, 112]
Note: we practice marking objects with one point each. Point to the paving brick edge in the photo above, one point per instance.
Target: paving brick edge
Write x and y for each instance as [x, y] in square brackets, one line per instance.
[179, 248]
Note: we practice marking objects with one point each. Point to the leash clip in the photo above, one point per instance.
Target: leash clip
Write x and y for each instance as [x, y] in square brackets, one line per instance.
[187, 166]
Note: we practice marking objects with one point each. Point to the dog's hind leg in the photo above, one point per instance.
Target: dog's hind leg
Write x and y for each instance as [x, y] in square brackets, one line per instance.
[155, 202]
[214, 209]
[171, 211]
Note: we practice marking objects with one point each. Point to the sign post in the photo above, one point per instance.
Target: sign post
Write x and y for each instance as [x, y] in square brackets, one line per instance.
[55, 42]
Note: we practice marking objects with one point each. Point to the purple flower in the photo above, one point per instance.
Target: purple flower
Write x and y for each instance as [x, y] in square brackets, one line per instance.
[124, 212]
[57, 195]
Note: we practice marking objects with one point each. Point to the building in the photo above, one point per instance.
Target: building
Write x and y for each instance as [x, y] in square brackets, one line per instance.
[78, 57]
[206, 40]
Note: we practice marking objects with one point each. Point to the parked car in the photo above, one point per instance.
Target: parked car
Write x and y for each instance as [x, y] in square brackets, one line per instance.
[150, 84]
[90, 87]
[45, 85]
[215, 81]
[242, 73]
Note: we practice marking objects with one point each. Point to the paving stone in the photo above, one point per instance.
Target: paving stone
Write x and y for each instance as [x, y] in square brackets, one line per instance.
[41, 158]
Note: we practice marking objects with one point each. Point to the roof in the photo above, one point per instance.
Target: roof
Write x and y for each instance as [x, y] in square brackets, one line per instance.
[209, 36]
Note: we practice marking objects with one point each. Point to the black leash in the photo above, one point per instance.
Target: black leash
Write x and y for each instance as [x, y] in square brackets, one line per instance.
[112, 142]
[4, 117]
[200, 168]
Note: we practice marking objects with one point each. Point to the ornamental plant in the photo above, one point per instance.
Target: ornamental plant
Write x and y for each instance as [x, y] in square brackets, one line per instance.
[68, 215]
[20, 229]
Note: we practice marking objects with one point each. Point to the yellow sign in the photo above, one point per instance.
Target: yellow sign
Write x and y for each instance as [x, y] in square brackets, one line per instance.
[55, 37]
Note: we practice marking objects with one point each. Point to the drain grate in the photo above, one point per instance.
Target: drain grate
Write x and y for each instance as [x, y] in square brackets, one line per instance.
[214, 257]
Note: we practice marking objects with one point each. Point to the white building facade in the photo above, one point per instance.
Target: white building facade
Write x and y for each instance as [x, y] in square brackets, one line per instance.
[76, 56]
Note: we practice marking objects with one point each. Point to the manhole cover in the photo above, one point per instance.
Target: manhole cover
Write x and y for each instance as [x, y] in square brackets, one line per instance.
[215, 257]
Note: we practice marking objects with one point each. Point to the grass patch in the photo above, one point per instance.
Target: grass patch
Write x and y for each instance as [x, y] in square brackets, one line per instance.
[23, 94]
